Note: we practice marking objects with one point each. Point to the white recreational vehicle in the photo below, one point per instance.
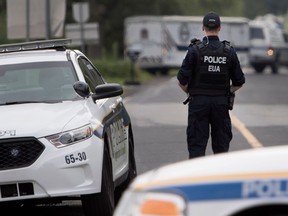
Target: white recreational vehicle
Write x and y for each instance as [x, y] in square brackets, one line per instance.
[268, 44]
[162, 41]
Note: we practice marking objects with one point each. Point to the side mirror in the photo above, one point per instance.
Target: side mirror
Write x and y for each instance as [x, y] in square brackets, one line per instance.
[82, 89]
[107, 90]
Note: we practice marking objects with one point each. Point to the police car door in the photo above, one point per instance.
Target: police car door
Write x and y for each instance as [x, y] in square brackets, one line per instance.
[110, 111]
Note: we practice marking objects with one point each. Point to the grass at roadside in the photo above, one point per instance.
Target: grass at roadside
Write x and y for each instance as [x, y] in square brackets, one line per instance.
[142, 76]
[120, 71]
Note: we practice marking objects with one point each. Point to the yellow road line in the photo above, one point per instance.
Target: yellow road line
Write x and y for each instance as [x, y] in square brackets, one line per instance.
[252, 140]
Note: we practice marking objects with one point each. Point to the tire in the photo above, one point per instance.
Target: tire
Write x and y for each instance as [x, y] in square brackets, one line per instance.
[101, 204]
[151, 71]
[164, 71]
[259, 68]
[267, 210]
[275, 64]
[132, 163]
[132, 173]
[275, 68]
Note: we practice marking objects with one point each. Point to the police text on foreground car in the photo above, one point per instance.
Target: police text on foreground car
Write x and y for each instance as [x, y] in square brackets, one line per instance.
[242, 183]
[64, 131]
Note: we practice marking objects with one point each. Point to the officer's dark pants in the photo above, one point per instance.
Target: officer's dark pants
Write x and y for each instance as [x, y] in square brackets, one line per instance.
[207, 112]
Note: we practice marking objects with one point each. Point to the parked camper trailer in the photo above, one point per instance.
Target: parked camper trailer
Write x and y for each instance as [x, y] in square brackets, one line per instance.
[162, 41]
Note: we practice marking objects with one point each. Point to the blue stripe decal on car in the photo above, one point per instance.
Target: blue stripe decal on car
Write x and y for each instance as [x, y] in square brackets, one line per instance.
[212, 192]
[268, 188]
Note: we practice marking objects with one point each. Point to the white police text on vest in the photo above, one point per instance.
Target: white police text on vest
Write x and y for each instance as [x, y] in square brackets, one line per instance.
[214, 60]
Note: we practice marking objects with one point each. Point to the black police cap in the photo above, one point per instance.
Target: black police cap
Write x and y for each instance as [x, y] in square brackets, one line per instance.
[211, 20]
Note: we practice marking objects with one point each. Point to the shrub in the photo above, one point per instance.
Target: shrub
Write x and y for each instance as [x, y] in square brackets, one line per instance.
[119, 70]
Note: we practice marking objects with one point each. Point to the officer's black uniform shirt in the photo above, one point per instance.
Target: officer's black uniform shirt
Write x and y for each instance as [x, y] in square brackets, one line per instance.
[236, 74]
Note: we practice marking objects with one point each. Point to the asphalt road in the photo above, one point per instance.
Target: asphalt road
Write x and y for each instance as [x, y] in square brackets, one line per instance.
[159, 118]
[259, 117]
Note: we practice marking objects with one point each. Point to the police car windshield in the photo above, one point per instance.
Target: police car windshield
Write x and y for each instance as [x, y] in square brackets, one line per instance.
[37, 82]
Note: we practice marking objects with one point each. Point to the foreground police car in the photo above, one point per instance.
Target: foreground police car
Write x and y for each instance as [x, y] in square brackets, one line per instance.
[243, 183]
[64, 131]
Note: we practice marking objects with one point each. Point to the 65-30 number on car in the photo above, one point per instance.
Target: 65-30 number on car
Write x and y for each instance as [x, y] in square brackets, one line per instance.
[73, 158]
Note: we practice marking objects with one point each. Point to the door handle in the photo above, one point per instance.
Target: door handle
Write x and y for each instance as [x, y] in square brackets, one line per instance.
[119, 100]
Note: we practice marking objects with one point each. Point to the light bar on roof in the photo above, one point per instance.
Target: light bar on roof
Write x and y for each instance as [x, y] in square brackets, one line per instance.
[34, 45]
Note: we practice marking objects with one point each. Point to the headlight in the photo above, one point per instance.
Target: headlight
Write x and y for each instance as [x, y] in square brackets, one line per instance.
[150, 203]
[70, 137]
[270, 52]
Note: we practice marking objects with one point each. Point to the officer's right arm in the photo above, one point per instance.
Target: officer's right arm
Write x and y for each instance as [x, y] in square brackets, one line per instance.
[185, 70]
[184, 87]
[234, 88]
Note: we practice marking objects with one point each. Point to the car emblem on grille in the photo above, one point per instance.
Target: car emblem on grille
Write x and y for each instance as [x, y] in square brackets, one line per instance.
[8, 133]
[15, 152]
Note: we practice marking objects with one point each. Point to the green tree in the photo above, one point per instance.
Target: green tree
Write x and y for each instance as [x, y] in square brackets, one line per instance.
[261, 7]
[223, 7]
[3, 21]
[111, 14]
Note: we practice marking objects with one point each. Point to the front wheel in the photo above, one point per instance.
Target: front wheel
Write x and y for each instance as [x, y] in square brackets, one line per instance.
[164, 71]
[101, 204]
[275, 68]
[132, 172]
[259, 68]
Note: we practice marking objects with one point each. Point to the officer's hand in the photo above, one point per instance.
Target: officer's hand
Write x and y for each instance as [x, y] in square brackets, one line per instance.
[184, 87]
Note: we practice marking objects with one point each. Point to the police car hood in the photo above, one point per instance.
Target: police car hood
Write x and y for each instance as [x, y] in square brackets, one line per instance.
[41, 119]
[243, 165]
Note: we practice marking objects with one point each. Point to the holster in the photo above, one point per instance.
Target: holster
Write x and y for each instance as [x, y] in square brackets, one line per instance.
[187, 100]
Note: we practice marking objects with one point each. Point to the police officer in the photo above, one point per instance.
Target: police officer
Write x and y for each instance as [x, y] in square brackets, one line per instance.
[209, 72]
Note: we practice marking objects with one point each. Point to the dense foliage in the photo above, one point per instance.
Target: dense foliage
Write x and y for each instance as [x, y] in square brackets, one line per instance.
[110, 14]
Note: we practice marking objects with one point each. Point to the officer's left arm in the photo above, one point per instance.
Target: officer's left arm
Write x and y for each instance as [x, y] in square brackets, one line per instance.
[237, 76]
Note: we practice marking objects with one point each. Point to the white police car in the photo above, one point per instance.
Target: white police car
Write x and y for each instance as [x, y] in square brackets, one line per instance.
[241, 183]
[64, 132]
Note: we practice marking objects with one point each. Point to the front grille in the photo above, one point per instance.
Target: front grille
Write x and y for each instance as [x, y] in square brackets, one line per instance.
[14, 190]
[19, 152]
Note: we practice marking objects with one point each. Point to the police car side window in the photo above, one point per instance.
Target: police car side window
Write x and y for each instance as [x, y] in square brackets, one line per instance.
[93, 72]
[96, 75]
[91, 75]
[87, 77]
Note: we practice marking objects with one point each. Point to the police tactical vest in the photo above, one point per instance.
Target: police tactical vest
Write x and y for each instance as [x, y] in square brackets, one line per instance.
[211, 72]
